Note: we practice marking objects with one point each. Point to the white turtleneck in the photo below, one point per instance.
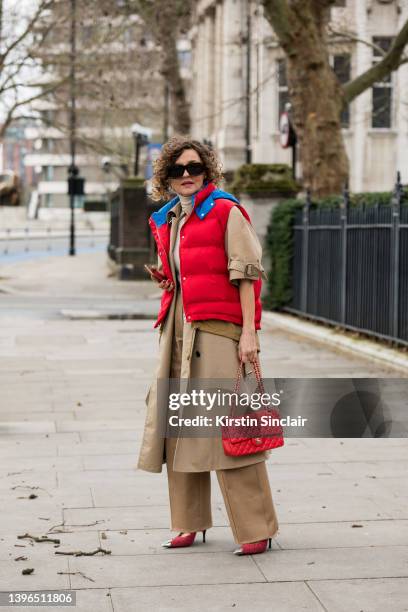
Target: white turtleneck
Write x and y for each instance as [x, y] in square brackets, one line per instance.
[186, 208]
[186, 203]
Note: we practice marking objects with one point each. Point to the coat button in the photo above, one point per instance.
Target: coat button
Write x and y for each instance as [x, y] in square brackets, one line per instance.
[184, 278]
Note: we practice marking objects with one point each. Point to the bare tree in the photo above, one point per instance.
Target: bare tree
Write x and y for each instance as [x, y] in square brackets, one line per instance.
[18, 37]
[117, 82]
[318, 98]
[125, 52]
[166, 21]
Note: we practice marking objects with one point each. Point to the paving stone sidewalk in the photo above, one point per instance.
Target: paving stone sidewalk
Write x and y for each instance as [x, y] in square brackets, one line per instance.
[71, 418]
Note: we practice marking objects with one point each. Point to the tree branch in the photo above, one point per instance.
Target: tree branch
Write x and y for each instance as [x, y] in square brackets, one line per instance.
[390, 62]
[350, 36]
[277, 12]
[162, 18]
[10, 113]
[45, 4]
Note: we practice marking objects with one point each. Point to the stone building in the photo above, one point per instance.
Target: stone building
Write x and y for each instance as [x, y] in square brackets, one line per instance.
[225, 67]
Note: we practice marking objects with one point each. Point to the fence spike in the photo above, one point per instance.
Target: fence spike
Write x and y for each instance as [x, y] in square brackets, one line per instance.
[344, 204]
[397, 195]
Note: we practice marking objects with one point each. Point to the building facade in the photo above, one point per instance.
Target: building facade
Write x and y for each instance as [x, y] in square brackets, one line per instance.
[240, 89]
[14, 149]
[118, 84]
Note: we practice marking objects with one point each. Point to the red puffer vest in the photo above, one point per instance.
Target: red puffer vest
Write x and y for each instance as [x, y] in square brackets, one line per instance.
[207, 292]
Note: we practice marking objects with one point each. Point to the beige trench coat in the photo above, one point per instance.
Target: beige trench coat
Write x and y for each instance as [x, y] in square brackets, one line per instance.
[191, 454]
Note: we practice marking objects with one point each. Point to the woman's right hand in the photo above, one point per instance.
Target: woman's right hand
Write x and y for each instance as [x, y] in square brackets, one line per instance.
[166, 284]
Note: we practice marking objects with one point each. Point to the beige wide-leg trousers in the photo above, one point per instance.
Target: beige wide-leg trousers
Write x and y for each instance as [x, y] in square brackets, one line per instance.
[246, 491]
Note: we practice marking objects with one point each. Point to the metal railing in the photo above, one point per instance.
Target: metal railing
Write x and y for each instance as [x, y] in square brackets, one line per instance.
[350, 266]
[26, 239]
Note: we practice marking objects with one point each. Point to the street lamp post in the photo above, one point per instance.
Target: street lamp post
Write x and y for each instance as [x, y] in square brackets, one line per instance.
[75, 182]
[72, 170]
[142, 136]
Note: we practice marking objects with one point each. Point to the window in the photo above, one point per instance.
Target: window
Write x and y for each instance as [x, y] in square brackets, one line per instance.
[342, 69]
[87, 32]
[128, 36]
[184, 58]
[48, 117]
[337, 4]
[341, 65]
[283, 91]
[381, 116]
[9, 155]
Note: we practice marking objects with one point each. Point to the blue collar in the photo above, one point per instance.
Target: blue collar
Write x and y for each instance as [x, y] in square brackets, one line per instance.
[160, 216]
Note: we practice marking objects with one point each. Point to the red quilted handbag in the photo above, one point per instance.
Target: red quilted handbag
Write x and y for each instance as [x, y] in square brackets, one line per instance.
[241, 439]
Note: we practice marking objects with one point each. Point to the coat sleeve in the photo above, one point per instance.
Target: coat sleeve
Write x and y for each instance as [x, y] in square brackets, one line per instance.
[243, 248]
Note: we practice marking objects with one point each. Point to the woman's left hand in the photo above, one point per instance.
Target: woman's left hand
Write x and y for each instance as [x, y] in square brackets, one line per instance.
[247, 348]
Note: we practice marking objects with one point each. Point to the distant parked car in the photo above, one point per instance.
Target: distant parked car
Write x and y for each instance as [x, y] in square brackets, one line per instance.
[10, 189]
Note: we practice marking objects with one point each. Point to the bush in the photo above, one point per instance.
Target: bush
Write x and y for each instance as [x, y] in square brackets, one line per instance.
[262, 179]
[279, 249]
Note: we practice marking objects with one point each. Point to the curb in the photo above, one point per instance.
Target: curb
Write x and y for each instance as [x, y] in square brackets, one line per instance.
[91, 315]
[359, 346]
[5, 290]
[55, 234]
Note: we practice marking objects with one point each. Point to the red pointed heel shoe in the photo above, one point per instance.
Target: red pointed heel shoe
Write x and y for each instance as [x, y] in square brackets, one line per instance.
[254, 548]
[181, 541]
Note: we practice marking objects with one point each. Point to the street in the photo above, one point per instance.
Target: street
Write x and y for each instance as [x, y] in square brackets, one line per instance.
[24, 248]
[76, 359]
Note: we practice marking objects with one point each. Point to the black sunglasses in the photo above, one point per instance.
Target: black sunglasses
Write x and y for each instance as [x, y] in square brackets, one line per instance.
[193, 169]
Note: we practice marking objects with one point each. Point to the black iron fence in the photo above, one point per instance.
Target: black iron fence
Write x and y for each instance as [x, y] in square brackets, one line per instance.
[350, 266]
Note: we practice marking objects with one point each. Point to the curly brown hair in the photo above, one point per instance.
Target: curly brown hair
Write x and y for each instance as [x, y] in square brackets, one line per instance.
[170, 151]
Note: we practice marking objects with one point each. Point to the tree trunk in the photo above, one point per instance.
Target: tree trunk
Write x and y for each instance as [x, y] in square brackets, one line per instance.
[171, 73]
[316, 97]
[164, 22]
[314, 90]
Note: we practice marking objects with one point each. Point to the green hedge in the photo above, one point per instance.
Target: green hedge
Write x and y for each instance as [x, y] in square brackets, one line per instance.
[279, 241]
[279, 249]
[260, 179]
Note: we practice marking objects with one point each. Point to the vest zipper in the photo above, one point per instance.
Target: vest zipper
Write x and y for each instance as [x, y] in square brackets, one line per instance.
[181, 275]
[185, 317]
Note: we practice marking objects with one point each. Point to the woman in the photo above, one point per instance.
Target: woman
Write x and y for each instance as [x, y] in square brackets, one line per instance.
[209, 316]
